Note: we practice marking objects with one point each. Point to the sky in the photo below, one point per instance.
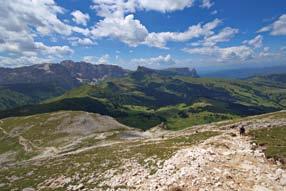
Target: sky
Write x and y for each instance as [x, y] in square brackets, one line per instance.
[205, 34]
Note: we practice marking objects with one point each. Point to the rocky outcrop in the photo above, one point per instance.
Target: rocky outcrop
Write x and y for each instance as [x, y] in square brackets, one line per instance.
[220, 163]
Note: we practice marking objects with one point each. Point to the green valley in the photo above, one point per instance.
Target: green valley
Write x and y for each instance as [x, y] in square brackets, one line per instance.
[146, 98]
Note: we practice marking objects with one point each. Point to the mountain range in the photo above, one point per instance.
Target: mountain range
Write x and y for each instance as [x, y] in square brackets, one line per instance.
[145, 98]
[63, 132]
[33, 84]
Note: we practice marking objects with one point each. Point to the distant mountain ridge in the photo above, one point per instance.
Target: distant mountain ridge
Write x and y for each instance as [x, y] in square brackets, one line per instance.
[68, 72]
[33, 84]
[184, 71]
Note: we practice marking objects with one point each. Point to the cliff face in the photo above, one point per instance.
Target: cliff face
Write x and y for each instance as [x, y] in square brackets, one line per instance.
[184, 71]
[68, 72]
[90, 72]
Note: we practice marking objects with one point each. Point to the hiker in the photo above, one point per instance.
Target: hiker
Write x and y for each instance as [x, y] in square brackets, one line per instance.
[242, 130]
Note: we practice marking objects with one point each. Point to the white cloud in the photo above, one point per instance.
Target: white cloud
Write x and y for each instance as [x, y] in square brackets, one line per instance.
[223, 36]
[111, 8]
[75, 41]
[11, 62]
[154, 61]
[97, 60]
[106, 8]
[265, 52]
[131, 31]
[21, 22]
[256, 42]
[276, 28]
[80, 18]
[165, 5]
[19, 15]
[53, 50]
[207, 4]
[127, 30]
[160, 39]
[224, 54]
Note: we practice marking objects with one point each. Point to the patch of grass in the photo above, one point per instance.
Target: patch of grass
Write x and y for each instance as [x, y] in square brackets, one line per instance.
[274, 142]
[177, 123]
[9, 144]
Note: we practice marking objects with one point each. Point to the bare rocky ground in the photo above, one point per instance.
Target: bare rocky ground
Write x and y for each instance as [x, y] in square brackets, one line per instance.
[206, 157]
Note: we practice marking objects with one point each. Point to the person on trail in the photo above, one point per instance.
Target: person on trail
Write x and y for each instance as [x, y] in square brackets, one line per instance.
[242, 130]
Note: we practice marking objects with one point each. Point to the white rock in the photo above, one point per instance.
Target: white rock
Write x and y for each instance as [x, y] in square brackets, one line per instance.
[283, 180]
[78, 187]
[260, 188]
[28, 189]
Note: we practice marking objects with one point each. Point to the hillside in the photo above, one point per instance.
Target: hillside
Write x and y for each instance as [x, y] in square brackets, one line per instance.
[77, 151]
[33, 84]
[146, 98]
[36, 83]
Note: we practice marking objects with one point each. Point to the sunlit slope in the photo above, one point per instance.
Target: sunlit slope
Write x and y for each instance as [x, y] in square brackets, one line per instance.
[145, 99]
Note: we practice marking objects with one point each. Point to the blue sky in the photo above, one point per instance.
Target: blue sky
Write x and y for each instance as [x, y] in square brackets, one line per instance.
[206, 34]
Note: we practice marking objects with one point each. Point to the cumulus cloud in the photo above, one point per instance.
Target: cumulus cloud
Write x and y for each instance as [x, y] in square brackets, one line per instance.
[195, 31]
[127, 29]
[19, 15]
[256, 42]
[21, 22]
[106, 8]
[97, 60]
[165, 5]
[240, 52]
[154, 61]
[131, 31]
[276, 28]
[80, 17]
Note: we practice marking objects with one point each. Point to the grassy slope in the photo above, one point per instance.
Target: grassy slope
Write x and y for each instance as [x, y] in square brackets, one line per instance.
[47, 130]
[145, 100]
[10, 99]
[99, 160]
[15, 95]
[274, 141]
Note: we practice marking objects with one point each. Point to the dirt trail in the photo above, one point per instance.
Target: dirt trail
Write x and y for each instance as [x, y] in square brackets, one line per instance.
[220, 163]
